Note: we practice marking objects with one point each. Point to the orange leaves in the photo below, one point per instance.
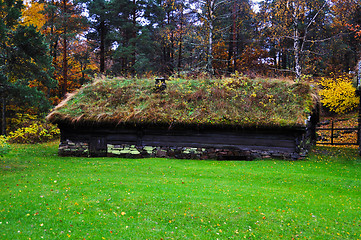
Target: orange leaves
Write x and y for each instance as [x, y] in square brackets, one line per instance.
[220, 55]
[355, 28]
[32, 14]
[343, 11]
[249, 59]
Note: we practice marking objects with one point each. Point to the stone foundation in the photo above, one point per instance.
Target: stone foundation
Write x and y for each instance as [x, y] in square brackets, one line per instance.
[69, 148]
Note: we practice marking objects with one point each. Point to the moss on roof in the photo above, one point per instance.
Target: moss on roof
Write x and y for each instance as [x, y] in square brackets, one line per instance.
[233, 101]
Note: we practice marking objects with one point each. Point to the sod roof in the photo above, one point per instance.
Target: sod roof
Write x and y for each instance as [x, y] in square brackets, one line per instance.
[240, 102]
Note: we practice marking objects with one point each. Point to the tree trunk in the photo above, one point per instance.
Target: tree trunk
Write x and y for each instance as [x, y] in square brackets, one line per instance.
[210, 20]
[65, 53]
[3, 122]
[180, 44]
[52, 38]
[180, 40]
[230, 52]
[234, 50]
[296, 48]
[102, 46]
[65, 67]
[358, 93]
[134, 36]
[209, 66]
[171, 53]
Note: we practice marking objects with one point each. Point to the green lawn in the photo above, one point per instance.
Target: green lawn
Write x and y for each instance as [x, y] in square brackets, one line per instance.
[46, 196]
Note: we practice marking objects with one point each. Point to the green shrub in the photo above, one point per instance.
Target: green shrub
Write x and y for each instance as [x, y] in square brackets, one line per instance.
[4, 146]
[34, 133]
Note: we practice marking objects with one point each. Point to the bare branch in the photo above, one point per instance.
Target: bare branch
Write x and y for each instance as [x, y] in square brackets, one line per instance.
[309, 25]
[282, 70]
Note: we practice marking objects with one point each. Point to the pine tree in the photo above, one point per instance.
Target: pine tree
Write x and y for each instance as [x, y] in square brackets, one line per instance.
[23, 58]
[64, 23]
[125, 18]
[99, 28]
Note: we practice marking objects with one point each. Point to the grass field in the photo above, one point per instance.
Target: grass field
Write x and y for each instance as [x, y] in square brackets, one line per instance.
[44, 196]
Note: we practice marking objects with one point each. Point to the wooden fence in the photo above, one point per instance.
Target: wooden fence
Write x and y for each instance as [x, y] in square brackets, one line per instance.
[335, 134]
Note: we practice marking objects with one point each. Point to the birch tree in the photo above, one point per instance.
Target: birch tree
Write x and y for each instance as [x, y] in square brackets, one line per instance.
[223, 21]
[208, 14]
[296, 21]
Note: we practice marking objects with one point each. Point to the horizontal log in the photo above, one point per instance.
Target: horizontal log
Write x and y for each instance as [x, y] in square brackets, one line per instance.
[277, 141]
[337, 144]
[219, 139]
[339, 129]
[220, 146]
[255, 134]
[122, 137]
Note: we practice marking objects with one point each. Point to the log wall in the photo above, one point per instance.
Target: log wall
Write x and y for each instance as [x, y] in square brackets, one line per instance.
[218, 143]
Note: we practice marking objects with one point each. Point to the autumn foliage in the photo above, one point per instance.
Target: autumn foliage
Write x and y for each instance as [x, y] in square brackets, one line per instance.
[34, 133]
[338, 93]
[123, 38]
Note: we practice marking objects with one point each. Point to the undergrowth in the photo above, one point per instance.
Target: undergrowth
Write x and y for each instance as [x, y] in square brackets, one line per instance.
[30, 128]
[34, 133]
[4, 146]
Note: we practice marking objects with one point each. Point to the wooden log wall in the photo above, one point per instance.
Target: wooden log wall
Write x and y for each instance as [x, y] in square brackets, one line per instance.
[161, 142]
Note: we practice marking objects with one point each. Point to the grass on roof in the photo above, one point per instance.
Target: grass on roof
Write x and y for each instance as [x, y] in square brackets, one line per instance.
[232, 101]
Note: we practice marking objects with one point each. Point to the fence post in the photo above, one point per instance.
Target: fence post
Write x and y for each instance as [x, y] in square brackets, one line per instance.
[358, 93]
[331, 132]
[359, 123]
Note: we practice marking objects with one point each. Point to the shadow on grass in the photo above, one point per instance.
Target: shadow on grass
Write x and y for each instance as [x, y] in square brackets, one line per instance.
[27, 156]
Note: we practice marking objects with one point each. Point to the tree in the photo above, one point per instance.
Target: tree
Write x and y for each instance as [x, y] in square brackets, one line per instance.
[297, 25]
[33, 14]
[99, 28]
[23, 58]
[125, 17]
[237, 29]
[64, 24]
[208, 16]
[83, 63]
[72, 23]
[168, 24]
[348, 15]
[226, 25]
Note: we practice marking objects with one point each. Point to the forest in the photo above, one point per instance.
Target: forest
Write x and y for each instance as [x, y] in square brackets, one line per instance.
[52, 47]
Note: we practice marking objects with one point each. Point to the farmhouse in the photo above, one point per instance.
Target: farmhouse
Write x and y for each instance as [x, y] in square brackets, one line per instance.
[233, 118]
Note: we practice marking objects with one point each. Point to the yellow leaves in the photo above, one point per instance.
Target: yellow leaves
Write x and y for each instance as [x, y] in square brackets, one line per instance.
[4, 146]
[34, 133]
[338, 94]
[32, 14]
